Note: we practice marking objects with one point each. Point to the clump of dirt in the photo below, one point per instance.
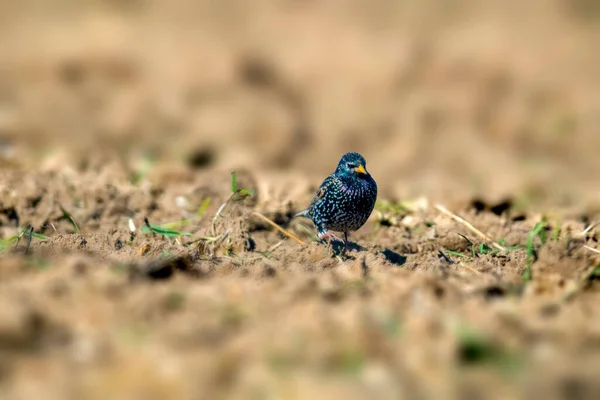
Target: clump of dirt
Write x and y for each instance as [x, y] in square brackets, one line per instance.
[421, 306]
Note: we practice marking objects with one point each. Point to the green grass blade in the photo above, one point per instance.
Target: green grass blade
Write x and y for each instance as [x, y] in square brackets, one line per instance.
[510, 249]
[539, 230]
[466, 238]
[233, 182]
[238, 194]
[7, 242]
[174, 224]
[203, 207]
[161, 230]
[455, 253]
[70, 218]
[555, 235]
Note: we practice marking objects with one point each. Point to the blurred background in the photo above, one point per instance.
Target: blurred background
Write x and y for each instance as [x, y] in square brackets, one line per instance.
[457, 98]
[122, 109]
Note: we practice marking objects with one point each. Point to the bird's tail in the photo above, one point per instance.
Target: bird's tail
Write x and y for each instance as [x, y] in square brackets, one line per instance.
[302, 214]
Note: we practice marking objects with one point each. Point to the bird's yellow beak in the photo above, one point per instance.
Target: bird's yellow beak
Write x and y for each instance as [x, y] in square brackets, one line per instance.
[360, 169]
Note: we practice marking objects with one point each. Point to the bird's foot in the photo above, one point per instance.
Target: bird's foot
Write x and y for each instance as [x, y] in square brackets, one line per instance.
[329, 235]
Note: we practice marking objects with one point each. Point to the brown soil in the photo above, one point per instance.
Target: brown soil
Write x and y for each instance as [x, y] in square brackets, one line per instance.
[114, 112]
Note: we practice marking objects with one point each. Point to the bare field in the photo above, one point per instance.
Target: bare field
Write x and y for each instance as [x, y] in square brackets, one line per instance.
[120, 126]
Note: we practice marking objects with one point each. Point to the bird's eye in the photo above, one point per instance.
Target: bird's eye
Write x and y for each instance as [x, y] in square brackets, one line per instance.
[351, 166]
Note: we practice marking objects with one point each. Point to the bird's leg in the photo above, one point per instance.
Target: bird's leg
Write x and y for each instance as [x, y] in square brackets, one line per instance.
[328, 239]
[345, 244]
[329, 236]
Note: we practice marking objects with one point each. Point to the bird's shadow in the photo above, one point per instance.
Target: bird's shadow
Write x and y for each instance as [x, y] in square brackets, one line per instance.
[390, 256]
[337, 247]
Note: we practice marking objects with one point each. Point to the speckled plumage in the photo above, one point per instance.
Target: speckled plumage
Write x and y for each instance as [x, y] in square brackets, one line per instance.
[345, 199]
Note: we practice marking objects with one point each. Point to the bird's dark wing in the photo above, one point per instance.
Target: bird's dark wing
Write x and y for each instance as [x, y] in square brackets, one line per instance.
[325, 187]
[319, 194]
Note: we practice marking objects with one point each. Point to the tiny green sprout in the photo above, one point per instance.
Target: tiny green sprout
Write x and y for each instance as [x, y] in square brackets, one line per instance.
[203, 207]
[485, 249]
[238, 194]
[67, 215]
[471, 244]
[233, 182]
[516, 247]
[466, 239]
[176, 224]
[234, 187]
[555, 235]
[7, 242]
[162, 230]
[539, 230]
[241, 194]
[455, 253]
[27, 232]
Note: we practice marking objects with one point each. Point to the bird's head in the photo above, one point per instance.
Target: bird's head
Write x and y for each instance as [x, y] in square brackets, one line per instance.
[352, 164]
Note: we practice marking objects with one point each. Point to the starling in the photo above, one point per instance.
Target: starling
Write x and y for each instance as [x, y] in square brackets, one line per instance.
[345, 199]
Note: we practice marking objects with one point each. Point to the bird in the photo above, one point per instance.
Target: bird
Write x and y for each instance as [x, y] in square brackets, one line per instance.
[344, 201]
